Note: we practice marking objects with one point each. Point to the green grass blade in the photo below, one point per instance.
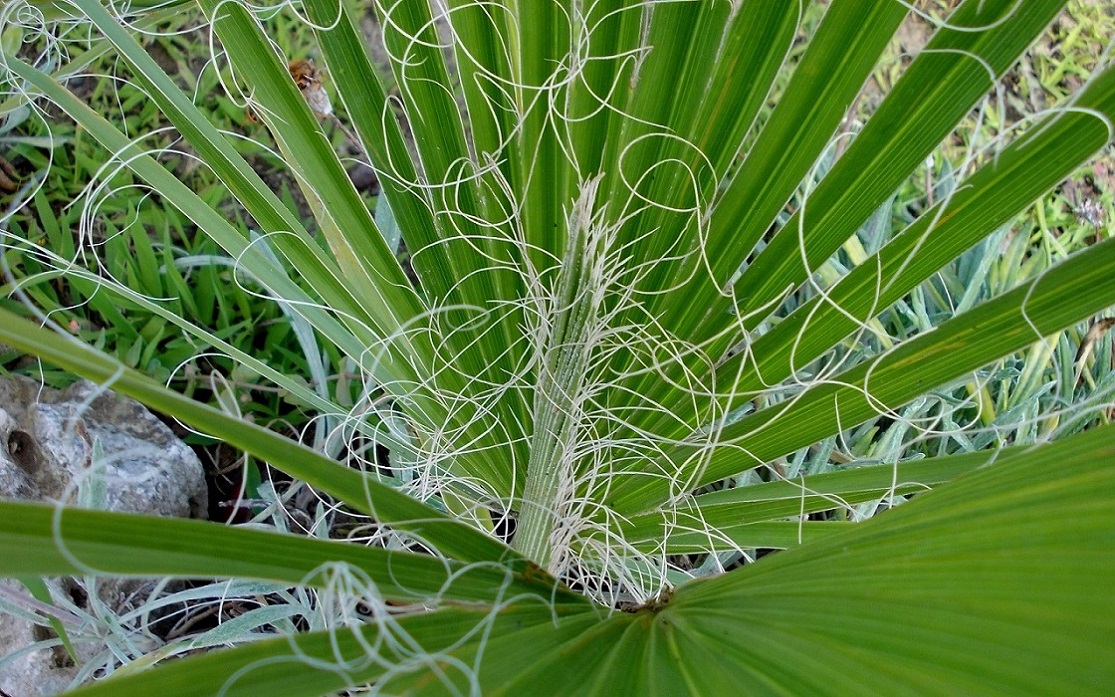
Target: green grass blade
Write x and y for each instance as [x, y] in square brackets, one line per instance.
[1067, 293]
[366, 103]
[355, 488]
[38, 589]
[437, 222]
[440, 222]
[832, 71]
[324, 662]
[210, 221]
[299, 392]
[383, 316]
[43, 540]
[540, 39]
[98, 51]
[830, 490]
[217, 151]
[362, 253]
[688, 535]
[993, 583]
[992, 196]
[720, 62]
[940, 88]
[737, 515]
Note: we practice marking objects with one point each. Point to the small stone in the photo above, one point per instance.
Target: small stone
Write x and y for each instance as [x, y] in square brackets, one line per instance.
[364, 179]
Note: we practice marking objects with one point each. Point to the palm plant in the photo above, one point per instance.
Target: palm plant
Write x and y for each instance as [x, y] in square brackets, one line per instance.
[642, 318]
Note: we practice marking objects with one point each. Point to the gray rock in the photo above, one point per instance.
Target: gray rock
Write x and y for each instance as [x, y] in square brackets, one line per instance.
[49, 671]
[50, 438]
[83, 446]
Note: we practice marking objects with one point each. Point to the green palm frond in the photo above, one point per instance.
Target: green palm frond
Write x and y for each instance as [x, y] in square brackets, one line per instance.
[654, 288]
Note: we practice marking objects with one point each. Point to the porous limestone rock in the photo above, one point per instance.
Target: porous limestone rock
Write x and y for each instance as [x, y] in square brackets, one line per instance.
[84, 445]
